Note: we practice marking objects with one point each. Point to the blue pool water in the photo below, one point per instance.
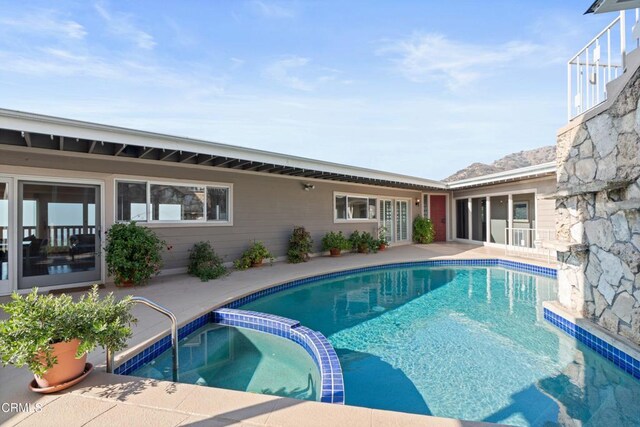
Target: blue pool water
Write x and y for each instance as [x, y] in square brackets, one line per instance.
[461, 342]
[240, 359]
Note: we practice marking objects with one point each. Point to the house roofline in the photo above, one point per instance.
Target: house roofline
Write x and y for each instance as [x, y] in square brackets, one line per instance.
[44, 124]
[534, 171]
[70, 128]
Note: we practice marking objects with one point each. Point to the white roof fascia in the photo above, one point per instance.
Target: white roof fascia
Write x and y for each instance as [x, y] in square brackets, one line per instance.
[514, 174]
[48, 125]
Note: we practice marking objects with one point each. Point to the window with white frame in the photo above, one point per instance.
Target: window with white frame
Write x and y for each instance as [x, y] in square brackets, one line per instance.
[520, 211]
[172, 202]
[355, 208]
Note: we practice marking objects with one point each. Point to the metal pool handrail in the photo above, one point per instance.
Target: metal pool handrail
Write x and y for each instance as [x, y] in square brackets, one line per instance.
[174, 335]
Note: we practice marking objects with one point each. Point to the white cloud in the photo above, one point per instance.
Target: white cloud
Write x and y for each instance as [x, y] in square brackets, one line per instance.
[434, 57]
[282, 71]
[121, 25]
[45, 22]
[270, 9]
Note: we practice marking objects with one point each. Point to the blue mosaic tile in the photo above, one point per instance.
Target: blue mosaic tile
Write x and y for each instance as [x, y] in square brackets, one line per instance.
[619, 358]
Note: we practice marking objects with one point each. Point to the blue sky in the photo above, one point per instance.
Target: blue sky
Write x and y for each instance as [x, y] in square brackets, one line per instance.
[416, 87]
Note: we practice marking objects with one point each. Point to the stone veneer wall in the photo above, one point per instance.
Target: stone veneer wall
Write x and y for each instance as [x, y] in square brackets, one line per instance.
[597, 212]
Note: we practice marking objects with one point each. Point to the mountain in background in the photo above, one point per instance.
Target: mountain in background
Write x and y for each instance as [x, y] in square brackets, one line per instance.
[512, 161]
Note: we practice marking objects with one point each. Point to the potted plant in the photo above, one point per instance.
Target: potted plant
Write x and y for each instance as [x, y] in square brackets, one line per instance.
[300, 245]
[205, 263]
[253, 256]
[133, 253]
[52, 335]
[423, 231]
[382, 239]
[335, 243]
[363, 242]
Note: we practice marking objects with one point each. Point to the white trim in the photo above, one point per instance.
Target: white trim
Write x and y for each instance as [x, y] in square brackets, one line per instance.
[347, 220]
[48, 125]
[13, 200]
[510, 220]
[151, 223]
[6, 285]
[513, 174]
[526, 202]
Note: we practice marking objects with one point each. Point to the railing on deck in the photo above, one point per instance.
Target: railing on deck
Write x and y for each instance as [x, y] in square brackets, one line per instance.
[527, 242]
[58, 235]
[602, 60]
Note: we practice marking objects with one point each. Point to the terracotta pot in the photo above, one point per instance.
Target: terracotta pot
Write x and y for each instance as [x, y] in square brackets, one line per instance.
[363, 249]
[382, 247]
[124, 283]
[335, 251]
[256, 264]
[67, 368]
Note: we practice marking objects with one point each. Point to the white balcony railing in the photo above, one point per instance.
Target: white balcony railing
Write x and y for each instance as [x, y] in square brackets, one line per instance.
[602, 60]
[528, 242]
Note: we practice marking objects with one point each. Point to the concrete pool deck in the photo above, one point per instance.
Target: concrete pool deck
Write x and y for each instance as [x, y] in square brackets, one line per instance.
[124, 400]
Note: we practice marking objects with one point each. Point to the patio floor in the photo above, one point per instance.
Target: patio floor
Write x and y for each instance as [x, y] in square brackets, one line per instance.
[123, 400]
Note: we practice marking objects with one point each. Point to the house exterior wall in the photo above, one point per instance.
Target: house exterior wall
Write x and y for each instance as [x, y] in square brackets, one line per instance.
[265, 207]
[544, 188]
[598, 212]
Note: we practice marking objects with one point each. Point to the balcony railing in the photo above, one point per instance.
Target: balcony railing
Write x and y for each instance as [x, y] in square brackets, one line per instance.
[527, 242]
[602, 60]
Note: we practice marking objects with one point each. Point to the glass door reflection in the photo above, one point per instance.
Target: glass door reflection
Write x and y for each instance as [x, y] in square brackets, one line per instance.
[59, 230]
[4, 233]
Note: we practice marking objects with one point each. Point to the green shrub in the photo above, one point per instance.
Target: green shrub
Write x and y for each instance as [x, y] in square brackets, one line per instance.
[133, 253]
[364, 242]
[300, 245]
[205, 263]
[37, 321]
[253, 256]
[423, 231]
[333, 240]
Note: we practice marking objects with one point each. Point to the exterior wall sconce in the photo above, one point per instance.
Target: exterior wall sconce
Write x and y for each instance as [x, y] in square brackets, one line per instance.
[417, 201]
[308, 187]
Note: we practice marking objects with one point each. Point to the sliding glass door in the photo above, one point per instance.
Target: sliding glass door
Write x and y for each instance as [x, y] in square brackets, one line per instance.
[58, 233]
[402, 220]
[386, 219]
[5, 237]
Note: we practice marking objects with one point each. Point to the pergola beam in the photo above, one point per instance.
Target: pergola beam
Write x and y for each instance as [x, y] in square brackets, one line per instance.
[120, 150]
[166, 156]
[92, 146]
[187, 156]
[145, 152]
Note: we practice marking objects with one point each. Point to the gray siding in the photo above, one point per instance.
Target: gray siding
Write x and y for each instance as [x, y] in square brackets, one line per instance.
[544, 188]
[265, 207]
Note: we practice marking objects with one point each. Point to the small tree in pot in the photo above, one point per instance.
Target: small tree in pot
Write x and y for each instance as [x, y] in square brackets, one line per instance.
[133, 253]
[300, 244]
[52, 335]
[423, 230]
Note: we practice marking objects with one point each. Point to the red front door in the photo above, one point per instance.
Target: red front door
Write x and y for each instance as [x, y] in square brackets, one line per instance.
[438, 210]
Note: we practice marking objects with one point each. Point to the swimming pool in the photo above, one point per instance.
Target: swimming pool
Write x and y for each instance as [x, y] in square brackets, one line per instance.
[460, 342]
[240, 359]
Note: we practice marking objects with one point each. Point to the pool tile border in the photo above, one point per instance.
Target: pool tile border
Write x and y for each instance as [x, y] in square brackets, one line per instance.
[318, 347]
[305, 335]
[620, 358]
[511, 265]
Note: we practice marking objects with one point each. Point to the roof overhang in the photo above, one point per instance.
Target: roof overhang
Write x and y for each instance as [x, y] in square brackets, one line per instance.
[604, 6]
[529, 172]
[46, 132]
